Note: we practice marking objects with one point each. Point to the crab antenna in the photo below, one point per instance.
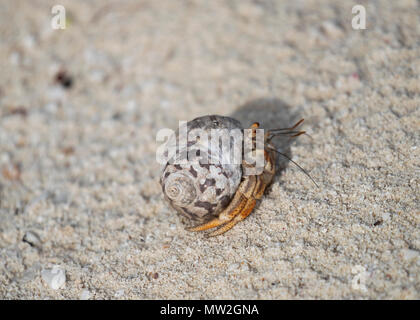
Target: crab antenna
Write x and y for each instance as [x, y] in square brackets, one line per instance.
[293, 134]
[289, 129]
[288, 158]
[285, 131]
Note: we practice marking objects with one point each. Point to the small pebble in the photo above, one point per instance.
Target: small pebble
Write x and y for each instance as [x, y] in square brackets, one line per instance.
[386, 216]
[15, 58]
[119, 293]
[28, 41]
[64, 79]
[409, 254]
[27, 276]
[85, 295]
[19, 110]
[55, 277]
[331, 30]
[32, 238]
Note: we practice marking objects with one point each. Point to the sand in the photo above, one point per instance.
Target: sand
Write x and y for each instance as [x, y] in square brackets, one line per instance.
[79, 183]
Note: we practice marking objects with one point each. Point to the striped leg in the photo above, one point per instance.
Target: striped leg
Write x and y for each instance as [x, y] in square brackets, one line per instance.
[235, 207]
[246, 211]
[250, 204]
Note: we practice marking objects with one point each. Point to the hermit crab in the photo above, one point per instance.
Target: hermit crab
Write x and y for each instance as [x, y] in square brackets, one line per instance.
[211, 189]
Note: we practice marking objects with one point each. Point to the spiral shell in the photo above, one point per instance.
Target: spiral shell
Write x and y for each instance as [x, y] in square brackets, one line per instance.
[201, 190]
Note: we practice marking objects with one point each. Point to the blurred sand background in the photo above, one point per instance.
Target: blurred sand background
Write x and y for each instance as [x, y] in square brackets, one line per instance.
[79, 113]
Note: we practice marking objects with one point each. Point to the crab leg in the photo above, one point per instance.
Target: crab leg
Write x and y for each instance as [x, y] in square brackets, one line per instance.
[261, 183]
[238, 203]
[250, 204]
[233, 209]
[236, 212]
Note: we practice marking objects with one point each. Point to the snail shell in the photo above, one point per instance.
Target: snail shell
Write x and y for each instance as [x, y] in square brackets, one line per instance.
[196, 189]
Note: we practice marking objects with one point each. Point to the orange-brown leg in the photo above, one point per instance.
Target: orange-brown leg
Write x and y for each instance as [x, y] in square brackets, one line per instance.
[259, 188]
[241, 216]
[250, 204]
[235, 206]
[255, 125]
[238, 203]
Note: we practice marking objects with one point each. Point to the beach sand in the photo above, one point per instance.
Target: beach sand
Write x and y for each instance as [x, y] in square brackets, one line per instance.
[80, 109]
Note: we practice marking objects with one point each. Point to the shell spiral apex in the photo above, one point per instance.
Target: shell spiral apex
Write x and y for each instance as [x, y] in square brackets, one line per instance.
[179, 188]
